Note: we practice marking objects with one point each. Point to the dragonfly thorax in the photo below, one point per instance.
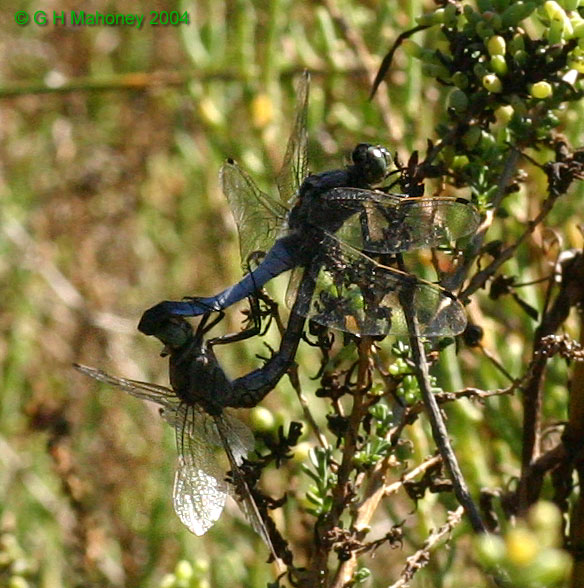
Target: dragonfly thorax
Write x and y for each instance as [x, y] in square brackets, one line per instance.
[314, 209]
[194, 370]
[316, 206]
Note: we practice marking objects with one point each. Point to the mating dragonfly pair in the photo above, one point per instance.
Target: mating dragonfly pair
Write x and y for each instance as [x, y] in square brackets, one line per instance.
[331, 229]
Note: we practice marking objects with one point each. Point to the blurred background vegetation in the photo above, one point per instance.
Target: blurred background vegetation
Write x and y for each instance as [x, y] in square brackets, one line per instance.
[111, 139]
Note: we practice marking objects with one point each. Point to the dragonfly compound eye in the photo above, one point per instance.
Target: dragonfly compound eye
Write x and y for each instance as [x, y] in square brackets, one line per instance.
[378, 161]
[359, 155]
[372, 160]
[174, 332]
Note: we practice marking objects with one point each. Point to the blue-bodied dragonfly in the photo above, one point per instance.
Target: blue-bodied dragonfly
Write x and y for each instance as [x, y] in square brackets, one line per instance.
[195, 408]
[334, 217]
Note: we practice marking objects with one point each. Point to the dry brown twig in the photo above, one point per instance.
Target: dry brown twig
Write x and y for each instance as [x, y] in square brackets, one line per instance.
[421, 558]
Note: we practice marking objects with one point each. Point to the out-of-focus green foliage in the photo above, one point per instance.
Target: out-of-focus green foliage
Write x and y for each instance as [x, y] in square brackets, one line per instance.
[529, 552]
[111, 139]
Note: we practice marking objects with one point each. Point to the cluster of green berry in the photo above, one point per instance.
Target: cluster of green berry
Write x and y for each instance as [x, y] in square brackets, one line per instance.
[511, 67]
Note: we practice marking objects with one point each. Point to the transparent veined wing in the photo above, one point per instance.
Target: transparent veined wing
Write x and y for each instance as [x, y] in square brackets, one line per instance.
[165, 397]
[198, 498]
[237, 435]
[200, 488]
[258, 216]
[294, 283]
[354, 293]
[238, 441]
[391, 223]
[295, 165]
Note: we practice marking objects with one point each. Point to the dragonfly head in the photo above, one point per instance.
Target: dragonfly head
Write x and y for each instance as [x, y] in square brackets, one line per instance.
[372, 162]
[173, 332]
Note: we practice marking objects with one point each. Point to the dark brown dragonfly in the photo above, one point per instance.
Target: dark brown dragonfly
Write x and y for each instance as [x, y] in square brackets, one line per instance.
[195, 407]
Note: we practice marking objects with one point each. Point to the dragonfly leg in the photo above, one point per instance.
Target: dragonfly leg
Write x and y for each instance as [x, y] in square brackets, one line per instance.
[255, 317]
[203, 328]
[234, 337]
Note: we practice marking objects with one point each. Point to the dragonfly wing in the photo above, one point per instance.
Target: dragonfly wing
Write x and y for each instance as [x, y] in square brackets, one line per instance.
[293, 285]
[295, 165]
[258, 216]
[238, 436]
[200, 488]
[161, 395]
[238, 440]
[354, 293]
[198, 497]
[390, 223]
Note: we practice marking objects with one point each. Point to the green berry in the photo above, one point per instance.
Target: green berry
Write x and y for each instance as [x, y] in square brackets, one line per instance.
[460, 162]
[183, 570]
[492, 83]
[458, 100]
[496, 45]
[472, 137]
[504, 114]
[522, 546]
[262, 419]
[499, 65]
[490, 549]
[551, 567]
[541, 90]
[546, 520]
[301, 452]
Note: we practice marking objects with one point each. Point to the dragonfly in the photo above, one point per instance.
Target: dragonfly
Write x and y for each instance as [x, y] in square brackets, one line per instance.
[195, 406]
[328, 227]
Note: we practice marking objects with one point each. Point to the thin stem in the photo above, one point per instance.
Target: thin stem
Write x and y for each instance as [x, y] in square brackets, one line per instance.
[295, 381]
[439, 432]
[421, 557]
